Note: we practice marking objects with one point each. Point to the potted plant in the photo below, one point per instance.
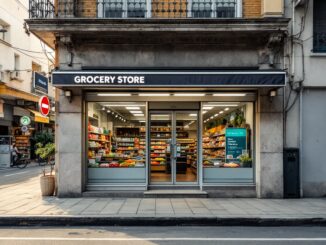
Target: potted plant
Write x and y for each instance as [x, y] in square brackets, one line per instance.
[246, 161]
[47, 181]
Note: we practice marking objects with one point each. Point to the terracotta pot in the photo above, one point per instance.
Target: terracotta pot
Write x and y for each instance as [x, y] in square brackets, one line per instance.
[47, 185]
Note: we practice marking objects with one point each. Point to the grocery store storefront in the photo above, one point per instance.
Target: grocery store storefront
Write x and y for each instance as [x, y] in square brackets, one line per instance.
[143, 130]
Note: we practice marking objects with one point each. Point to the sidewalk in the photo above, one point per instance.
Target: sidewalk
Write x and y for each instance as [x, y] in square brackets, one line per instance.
[22, 204]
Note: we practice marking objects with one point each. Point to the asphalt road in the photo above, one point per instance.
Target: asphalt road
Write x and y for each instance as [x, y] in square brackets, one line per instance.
[12, 176]
[163, 235]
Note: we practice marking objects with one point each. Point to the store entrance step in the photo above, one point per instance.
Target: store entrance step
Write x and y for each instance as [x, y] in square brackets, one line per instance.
[175, 194]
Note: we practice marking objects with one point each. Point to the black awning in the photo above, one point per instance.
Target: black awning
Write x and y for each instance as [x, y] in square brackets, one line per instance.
[169, 79]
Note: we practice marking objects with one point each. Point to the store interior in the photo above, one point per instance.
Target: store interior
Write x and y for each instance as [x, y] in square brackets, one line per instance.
[117, 138]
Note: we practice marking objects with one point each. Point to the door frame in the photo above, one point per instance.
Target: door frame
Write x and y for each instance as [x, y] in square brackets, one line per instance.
[173, 113]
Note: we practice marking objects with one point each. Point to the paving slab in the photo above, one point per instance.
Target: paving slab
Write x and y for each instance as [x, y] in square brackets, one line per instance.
[22, 204]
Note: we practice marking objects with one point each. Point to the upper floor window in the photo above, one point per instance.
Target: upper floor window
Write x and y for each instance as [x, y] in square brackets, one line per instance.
[169, 8]
[319, 26]
[4, 31]
[122, 8]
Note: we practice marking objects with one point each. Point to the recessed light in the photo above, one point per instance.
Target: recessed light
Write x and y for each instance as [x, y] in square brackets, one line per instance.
[123, 105]
[113, 94]
[189, 95]
[215, 115]
[108, 111]
[208, 107]
[221, 112]
[155, 94]
[223, 105]
[132, 107]
[136, 112]
[204, 112]
[226, 109]
[193, 115]
[229, 94]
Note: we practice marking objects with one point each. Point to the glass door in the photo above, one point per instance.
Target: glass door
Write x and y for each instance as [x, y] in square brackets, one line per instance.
[173, 147]
[161, 144]
[186, 124]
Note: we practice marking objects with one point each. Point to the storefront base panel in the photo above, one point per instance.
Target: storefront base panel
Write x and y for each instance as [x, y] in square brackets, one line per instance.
[228, 175]
[231, 191]
[116, 175]
[132, 187]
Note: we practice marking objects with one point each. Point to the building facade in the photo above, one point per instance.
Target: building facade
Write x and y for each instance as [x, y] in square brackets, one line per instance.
[167, 95]
[22, 56]
[305, 112]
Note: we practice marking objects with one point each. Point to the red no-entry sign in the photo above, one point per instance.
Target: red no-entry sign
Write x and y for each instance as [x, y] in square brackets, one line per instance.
[44, 105]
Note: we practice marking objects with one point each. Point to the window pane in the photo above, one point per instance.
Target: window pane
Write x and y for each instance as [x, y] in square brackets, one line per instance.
[116, 140]
[136, 8]
[228, 135]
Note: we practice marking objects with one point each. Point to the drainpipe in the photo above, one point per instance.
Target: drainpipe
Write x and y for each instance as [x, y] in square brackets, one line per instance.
[300, 138]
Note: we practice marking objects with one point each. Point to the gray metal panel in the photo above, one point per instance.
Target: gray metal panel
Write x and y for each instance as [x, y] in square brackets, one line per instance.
[314, 137]
[116, 175]
[228, 175]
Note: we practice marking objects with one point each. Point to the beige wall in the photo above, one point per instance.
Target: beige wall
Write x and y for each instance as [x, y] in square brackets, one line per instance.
[18, 42]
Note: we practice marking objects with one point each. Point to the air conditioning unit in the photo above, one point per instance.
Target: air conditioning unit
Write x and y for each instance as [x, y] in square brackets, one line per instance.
[14, 75]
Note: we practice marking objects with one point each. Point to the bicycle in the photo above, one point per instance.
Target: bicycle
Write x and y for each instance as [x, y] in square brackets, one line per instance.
[21, 161]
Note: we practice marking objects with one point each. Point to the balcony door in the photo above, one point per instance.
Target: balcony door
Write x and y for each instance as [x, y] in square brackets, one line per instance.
[173, 147]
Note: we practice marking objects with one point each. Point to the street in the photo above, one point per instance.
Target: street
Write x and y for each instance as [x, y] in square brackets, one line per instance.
[13, 176]
[163, 235]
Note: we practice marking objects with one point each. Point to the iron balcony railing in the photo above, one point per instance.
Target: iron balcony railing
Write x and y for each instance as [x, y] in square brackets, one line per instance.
[134, 9]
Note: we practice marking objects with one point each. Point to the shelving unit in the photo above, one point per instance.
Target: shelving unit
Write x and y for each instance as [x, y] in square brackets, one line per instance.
[214, 146]
[23, 145]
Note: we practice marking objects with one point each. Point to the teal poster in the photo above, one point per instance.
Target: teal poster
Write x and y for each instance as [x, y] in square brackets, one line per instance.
[236, 143]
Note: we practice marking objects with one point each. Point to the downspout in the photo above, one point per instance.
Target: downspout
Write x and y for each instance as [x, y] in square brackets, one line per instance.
[300, 139]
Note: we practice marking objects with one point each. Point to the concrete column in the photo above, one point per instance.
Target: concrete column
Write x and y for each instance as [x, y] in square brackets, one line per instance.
[69, 144]
[269, 145]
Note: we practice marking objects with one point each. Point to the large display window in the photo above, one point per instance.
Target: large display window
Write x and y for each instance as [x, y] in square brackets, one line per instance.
[196, 140]
[227, 142]
[116, 142]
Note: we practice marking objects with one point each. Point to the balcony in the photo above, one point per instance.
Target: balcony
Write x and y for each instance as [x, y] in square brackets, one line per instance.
[226, 21]
[113, 9]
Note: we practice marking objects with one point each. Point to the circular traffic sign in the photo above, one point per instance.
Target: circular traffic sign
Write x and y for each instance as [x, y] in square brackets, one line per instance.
[25, 120]
[24, 129]
[44, 105]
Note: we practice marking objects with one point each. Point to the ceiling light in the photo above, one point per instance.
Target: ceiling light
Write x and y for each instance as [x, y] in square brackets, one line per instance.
[193, 115]
[142, 121]
[116, 115]
[215, 115]
[108, 111]
[113, 94]
[123, 105]
[208, 107]
[221, 112]
[132, 107]
[136, 112]
[189, 94]
[204, 112]
[138, 115]
[211, 117]
[229, 94]
[155, 94]
[103, 108]
[224, 105]
[226, 109]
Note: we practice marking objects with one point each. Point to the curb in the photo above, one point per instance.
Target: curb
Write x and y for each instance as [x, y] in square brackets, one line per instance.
[157, 221]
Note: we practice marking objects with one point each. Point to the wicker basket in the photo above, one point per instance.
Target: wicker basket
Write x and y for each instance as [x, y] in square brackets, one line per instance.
[47, 185]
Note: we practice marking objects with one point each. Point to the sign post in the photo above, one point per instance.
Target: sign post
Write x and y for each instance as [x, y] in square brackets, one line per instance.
[44, 105]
